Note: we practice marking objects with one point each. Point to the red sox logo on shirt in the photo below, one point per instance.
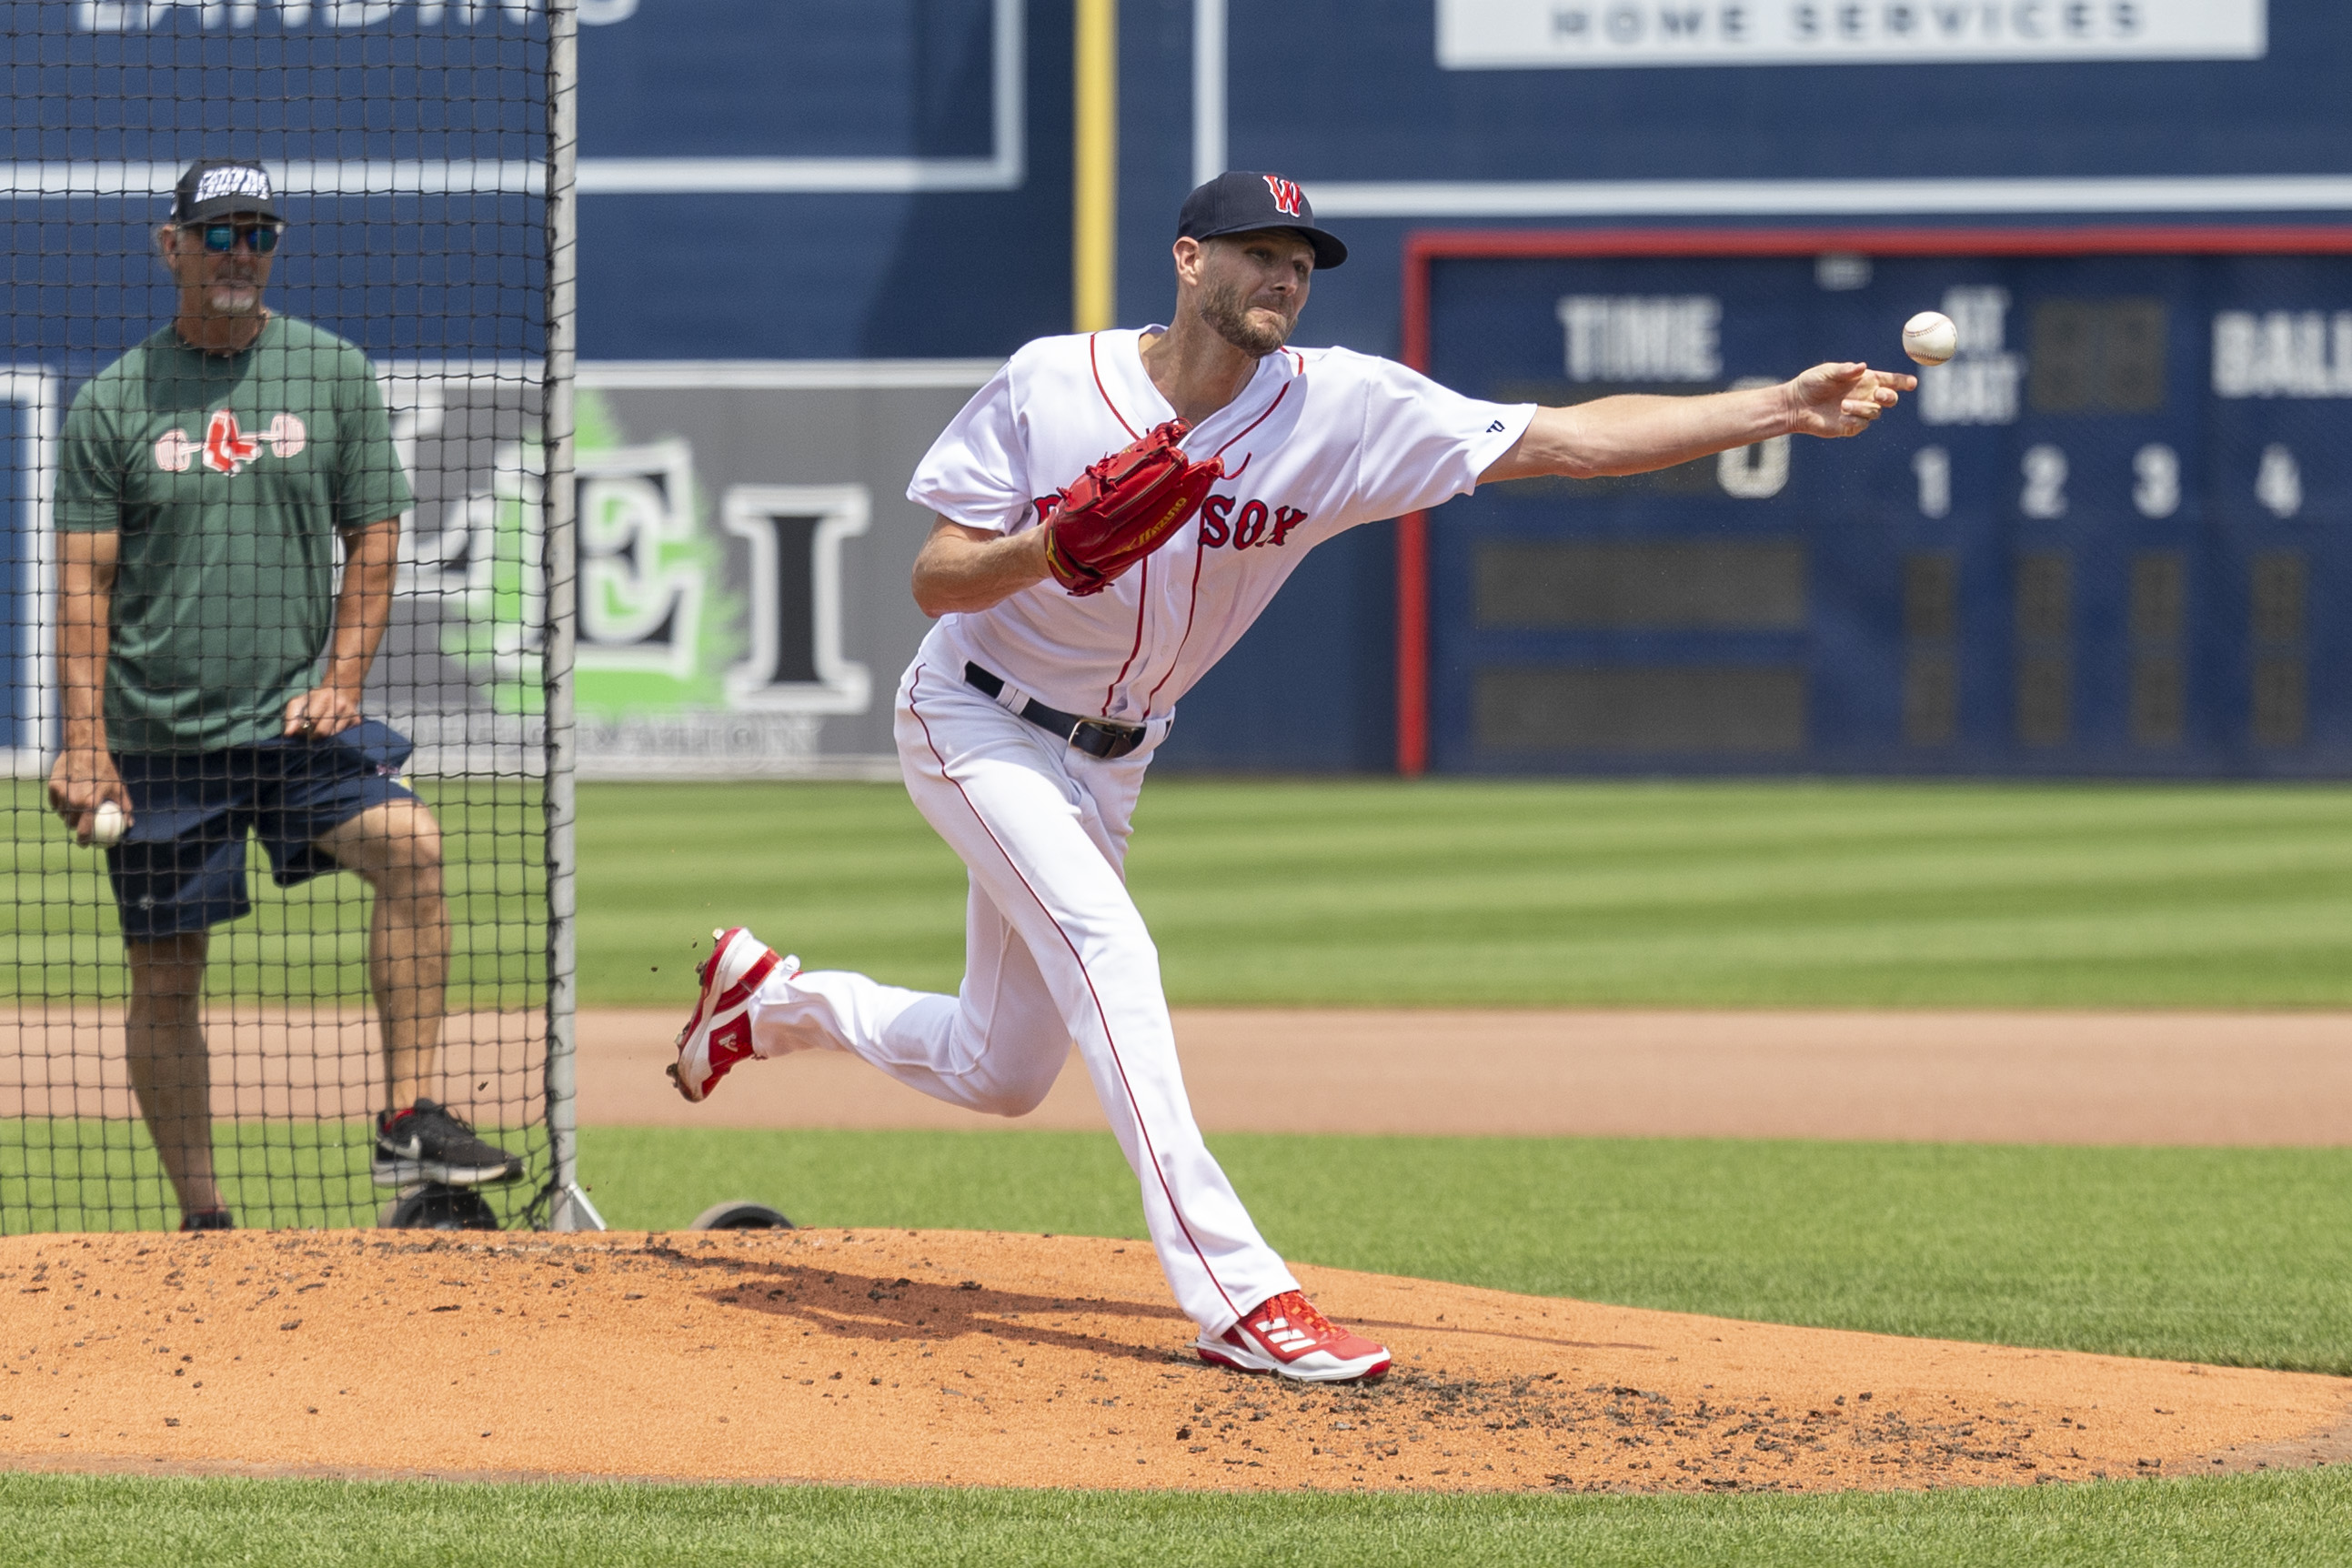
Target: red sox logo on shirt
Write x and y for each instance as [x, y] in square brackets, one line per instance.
[1287, 195]
[227, 447]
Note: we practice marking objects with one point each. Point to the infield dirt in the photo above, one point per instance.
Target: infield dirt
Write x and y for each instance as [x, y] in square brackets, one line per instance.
[970, 1358]
[2230, 1079]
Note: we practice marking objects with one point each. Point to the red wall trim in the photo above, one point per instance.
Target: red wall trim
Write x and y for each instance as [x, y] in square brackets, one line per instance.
[1422, 246]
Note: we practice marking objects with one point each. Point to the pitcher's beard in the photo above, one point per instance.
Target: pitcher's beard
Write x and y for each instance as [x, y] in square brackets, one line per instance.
[1227, 313]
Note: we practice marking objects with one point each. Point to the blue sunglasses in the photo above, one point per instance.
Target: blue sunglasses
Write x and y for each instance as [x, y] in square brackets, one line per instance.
[260, 239]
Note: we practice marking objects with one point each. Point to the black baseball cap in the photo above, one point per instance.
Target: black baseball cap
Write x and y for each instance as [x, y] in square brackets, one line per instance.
[1241, 200]
[224, 187]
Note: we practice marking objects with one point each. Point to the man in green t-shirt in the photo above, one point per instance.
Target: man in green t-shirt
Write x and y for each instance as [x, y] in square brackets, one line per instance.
[211, 669]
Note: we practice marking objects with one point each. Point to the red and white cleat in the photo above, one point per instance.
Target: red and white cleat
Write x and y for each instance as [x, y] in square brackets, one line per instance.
[719, 1035]
[1285, 1334]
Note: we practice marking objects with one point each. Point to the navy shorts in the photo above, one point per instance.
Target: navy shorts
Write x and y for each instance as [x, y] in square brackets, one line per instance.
[182, 865]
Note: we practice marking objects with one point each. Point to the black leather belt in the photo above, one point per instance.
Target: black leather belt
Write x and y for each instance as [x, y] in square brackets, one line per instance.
[1104, 738]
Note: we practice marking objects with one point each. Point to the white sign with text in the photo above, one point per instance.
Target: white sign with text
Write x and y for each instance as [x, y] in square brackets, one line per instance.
[1501, 35]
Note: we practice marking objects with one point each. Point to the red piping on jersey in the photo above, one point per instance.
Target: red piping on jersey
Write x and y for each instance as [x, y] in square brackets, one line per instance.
[1200, 553]
[1254, 424]
[1142, 604]
[1111, 1041]
[1095, 364]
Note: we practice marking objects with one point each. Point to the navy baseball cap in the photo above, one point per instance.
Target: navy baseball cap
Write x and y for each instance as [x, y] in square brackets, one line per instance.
[222, 187]
[1241, 200]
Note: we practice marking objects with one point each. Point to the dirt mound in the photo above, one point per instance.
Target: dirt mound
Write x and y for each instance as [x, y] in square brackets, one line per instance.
[920, 1357]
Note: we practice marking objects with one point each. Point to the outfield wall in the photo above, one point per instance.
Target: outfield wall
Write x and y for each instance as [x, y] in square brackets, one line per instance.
[885, 181]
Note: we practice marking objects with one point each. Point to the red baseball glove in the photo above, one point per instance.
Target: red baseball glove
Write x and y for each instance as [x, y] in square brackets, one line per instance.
[1124, 508]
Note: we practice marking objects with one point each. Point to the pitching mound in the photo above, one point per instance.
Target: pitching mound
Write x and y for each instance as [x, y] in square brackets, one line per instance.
[900, 1356]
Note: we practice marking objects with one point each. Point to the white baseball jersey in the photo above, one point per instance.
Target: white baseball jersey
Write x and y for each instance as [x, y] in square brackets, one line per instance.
[1056, 950]
[1319, 440]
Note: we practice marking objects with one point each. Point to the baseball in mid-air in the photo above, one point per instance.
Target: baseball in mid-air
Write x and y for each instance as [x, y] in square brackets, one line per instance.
[1930, 337]
[108, 825]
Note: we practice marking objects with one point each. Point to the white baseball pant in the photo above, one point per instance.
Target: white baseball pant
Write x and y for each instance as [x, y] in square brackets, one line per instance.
[1055, 951]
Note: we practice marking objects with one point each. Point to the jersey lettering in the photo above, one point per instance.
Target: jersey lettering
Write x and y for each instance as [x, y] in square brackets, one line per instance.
[1214, 513]
[1250, 527]
[1258, 524]
[227, 448]
[1286, 194]
[175, 452]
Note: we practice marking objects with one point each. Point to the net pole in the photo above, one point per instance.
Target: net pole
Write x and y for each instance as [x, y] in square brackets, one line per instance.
[570, 1209]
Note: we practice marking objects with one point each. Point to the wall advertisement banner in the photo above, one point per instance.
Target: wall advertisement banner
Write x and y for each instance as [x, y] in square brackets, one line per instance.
[744, 547]
[1509, 35]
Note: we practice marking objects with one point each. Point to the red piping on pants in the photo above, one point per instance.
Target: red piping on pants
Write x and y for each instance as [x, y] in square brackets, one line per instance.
[1108, 1039]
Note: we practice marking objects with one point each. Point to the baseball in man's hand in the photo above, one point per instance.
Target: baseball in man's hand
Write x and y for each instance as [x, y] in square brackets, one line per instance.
[1930, 337]
[107, 826]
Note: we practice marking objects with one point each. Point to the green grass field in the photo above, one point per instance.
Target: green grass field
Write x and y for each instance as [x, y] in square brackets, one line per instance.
[1520, 894]
[91, 1173]
[1374, 893]
[2301, 1520]
[1514, 894]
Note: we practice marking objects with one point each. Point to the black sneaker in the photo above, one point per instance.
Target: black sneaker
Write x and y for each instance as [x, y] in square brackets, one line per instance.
[208, 1219]
[427, 1143]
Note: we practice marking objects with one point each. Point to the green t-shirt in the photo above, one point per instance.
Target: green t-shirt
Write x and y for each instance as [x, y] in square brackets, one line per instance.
[227, 477]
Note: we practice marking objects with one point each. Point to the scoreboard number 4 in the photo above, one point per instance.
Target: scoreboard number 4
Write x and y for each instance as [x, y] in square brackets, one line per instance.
[2278, 485]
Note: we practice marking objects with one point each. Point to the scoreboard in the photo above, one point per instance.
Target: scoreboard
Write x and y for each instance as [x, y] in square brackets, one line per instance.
[2114, 536]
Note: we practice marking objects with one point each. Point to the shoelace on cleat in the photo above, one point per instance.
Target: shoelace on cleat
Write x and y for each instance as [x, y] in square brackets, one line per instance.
[1301, 1315]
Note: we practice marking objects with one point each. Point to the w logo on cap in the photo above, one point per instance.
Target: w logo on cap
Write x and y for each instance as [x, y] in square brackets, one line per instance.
[1287, 195]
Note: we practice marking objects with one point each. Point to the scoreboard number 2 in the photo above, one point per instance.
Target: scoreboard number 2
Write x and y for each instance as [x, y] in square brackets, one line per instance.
[2045, 482]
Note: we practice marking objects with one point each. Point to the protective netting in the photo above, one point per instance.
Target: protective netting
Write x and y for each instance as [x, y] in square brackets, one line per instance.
[199, 519]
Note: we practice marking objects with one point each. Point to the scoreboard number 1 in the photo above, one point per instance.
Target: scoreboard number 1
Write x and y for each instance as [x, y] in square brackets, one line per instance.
[1933, 464]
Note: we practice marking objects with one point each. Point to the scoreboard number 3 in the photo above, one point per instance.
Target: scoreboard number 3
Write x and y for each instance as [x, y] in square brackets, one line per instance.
[2156, 481]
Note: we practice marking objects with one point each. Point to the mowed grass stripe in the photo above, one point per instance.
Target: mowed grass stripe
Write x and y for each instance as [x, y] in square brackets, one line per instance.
[1384, 893]
[2238, 1256]
[2285, 1520]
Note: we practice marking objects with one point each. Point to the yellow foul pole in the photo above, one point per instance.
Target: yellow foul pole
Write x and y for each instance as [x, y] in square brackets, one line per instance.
[1093, 236]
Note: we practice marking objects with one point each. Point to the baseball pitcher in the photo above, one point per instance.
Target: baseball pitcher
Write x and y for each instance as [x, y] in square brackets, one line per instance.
[1114, 509]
